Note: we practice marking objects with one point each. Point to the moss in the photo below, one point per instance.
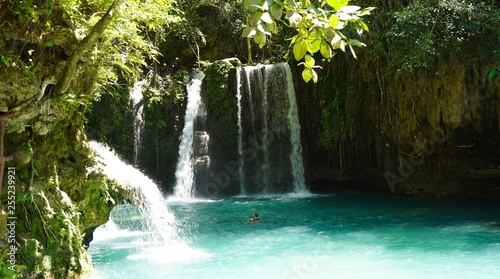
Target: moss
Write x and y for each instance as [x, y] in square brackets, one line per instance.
[221, 102]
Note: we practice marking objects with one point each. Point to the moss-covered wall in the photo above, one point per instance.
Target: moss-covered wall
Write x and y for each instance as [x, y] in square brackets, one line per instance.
[59, 197]
[432, 131]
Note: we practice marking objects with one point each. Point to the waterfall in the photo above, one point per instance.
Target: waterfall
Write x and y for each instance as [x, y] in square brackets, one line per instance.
[241, 175]
[296, 159]
[184, 173]
[269, 128]
[137, 108]
[143, 193]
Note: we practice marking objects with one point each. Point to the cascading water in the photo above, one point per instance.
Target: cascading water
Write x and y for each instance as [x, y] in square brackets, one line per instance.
[143, 194]
[184, 173]
[296, 159]
[241, 162]
[147, 232]
[268, 118]
[137, 110]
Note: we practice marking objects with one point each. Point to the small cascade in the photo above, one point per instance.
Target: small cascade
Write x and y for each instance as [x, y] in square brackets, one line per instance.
[143, 193]
[137, 111]
[184, 173]
[271, 151]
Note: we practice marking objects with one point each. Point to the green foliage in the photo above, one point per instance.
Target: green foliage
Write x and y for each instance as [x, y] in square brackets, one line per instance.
[333, 118]
[426, 31]
[6, 272]
[317, 26]
[221, 104]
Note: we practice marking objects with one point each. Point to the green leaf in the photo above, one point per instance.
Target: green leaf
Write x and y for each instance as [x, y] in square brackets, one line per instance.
[357, 43]
[363, 25]
[252, 5]
[273, 27]
[266, 17]
[260, 38]
[366, 11]
[49, 44]
[263, 28]
[276, 11]
[255, 18]
[333, 21]
[493, 73]
[307, 74]
[342, 45]
[249, 32]
[299, 49]
[315, 45]
[325, 49]
[333, 36]
[310, 62]
[337, 4]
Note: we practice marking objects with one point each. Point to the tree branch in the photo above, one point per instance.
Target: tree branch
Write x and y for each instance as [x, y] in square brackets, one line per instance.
[96, 31]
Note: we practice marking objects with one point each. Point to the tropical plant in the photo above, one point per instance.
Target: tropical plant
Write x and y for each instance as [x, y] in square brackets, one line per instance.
[318, 26]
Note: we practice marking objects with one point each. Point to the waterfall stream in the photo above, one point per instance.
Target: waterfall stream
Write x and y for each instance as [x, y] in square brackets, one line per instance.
[143, 193]
[137, 111]
[241, 162]
[269, 128]
[184, 173]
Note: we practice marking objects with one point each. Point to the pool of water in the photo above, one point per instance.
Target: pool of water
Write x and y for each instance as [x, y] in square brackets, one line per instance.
[319, 236]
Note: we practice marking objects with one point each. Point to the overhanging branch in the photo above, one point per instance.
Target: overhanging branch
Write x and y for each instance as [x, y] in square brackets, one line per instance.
[96, 31]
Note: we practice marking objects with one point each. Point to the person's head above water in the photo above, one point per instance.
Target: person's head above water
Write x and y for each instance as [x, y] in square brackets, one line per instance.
[255, 215]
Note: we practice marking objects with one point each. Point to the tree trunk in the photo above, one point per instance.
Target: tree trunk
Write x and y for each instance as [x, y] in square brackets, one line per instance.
[94, 34]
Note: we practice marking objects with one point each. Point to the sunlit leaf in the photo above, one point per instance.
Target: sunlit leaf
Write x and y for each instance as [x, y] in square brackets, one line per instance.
[295, 19]
[309, 61]
[366, 11]
[265, 6]
[266, 17]
[333, 21]
[350, 9]
[363, 25]
[353, 52]
[345, 17]
[263, 28]
[249, 32]
[337, 4]
[307, 74]
[299, 49]
[315, 46]
[325, 49]
[342, 45]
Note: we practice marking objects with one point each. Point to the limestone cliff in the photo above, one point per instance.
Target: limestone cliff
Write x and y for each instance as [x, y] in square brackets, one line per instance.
[56, 196]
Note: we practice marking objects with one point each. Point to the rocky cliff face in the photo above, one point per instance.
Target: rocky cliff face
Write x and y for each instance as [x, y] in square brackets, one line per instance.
[431, 132]
[52, 196]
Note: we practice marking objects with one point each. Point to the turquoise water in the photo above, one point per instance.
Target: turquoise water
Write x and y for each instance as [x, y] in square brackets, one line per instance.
[333, 236]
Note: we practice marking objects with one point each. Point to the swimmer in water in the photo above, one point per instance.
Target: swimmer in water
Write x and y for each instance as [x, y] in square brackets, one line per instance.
[255, 218]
